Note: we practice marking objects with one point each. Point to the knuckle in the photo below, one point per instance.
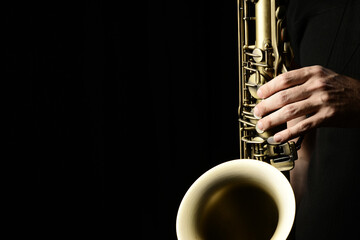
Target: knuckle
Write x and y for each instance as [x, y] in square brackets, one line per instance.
[264, 89]
[324, 98]
[307, 70]
[318, 70]
[285, 79]
[322, 83]
[259, 109]
[289, 110]
[330, 112]
[284, 96]
[290, 133]
[268, 123]
[304, 126]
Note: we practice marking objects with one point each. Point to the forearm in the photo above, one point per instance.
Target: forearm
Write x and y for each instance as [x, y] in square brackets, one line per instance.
[298, 176]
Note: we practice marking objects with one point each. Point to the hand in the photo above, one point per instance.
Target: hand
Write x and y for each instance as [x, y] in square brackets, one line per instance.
[325, 97]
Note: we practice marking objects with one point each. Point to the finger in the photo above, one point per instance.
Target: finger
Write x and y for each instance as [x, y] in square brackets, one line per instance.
[297, 130]
[287, 113]
[281, 99]
[284, 81]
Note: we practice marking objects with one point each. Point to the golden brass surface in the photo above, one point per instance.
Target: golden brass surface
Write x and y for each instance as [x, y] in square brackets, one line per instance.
[238, 212]
[240, 199]
[261, 58]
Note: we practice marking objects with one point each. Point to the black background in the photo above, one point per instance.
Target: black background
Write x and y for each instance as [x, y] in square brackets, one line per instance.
[193, 72]
[116, 109]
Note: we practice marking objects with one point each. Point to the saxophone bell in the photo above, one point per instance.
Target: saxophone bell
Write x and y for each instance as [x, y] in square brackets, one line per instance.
[239, 199]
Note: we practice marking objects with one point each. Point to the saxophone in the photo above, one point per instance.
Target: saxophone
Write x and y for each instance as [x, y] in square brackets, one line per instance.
[251, 197]
[260, 60]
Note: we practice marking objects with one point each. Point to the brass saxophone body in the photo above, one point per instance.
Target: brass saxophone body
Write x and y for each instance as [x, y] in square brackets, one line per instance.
[261, 59]
[248, 198]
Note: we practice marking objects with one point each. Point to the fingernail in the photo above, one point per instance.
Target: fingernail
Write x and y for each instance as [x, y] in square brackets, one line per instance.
[256, 113]
[259, 127]
[278, 138]
[259, 93]
[271, 140]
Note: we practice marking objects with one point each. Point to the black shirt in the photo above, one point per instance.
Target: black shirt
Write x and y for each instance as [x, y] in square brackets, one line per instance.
[327, 33]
